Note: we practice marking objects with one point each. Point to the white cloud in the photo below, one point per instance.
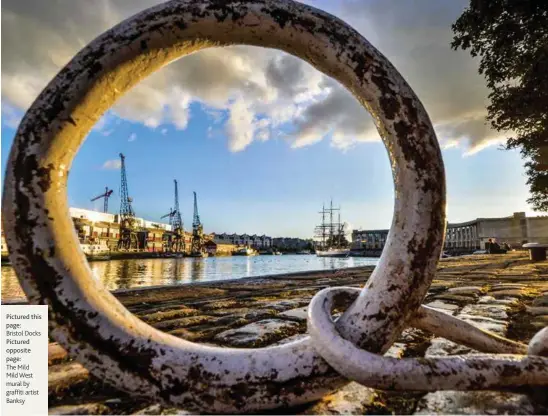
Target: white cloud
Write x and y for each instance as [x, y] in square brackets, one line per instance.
[179, 108]
[240, 127]
[262, 135]
[338, 114]
[132, 137]
[241, 86]
[479, 146]
[112, 164]
[449, 144]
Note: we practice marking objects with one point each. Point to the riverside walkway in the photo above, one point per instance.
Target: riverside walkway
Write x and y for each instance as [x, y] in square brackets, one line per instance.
[505, 294]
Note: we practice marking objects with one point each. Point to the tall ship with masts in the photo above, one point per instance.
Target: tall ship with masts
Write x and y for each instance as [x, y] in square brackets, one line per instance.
[330, 235]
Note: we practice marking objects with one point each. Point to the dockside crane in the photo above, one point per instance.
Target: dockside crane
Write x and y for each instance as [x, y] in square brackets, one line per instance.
[175, 241]
[177, 225]
[106, 196]
[128, 233]
[197, 232]
[168, 236]
[170, 215]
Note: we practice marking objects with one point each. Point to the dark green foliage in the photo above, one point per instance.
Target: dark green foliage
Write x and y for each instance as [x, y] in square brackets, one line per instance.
[511, 39]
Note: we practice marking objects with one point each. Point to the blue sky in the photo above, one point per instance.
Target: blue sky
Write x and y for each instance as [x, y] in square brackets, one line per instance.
[263, 138]
[270, 187]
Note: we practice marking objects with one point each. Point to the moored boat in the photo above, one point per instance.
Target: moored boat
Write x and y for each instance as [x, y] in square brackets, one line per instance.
[202, 255]
[270, 253]
[245, 251]
[332, 242]
[334, 252]
[96, 251]
[98, 257]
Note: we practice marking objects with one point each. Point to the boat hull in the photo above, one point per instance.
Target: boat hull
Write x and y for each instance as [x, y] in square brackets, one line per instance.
[244, 252]
[98, 257]
[333, 253]
[199, 255]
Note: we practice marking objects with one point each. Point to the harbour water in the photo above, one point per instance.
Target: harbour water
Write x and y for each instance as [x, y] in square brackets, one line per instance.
[126, 274]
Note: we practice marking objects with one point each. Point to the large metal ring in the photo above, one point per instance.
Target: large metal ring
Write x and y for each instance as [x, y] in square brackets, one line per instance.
[93, 326]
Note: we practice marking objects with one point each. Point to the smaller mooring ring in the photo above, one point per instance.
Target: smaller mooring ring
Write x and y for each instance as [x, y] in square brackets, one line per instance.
[475, 372]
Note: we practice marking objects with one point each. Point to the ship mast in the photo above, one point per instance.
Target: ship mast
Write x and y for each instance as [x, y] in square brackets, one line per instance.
[330, 231]
[340, 230]
[331, 241]
[334, 229]
[320, 230]
[323, 226]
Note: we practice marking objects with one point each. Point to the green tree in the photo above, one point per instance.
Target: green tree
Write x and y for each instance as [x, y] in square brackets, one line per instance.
[511, 39]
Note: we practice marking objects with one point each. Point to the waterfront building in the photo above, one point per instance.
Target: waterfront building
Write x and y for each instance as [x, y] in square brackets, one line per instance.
[515, 230]
[218, 249]
[155, 238]
[369, 239]
[102, 228]
[93, 216]
[263, 242]
[105, 233]
[291, 244]
[470, 236]
[253, 241]
[245, 240]
[224, 238]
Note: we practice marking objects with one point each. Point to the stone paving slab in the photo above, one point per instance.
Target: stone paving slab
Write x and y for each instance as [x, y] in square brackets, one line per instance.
[257, 334]
[504, 293]
[299, 314]
[475, 403]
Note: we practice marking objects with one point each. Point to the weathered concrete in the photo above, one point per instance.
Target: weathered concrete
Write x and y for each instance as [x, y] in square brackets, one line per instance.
[243, 311]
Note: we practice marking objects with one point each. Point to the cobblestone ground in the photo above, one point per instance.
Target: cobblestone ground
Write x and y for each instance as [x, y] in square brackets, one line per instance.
[506, 294]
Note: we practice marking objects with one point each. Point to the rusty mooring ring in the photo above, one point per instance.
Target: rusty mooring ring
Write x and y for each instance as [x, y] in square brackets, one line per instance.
[93, 326]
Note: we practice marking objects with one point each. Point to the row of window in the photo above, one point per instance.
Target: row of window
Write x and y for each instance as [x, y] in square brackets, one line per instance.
[448, 244]
[460, 233]
[236, 236]
[237, 241]
[452, 234]
[371, 237]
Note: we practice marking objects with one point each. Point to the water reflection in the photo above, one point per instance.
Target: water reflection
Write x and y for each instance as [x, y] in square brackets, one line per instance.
[125, 274]
[198, 268]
